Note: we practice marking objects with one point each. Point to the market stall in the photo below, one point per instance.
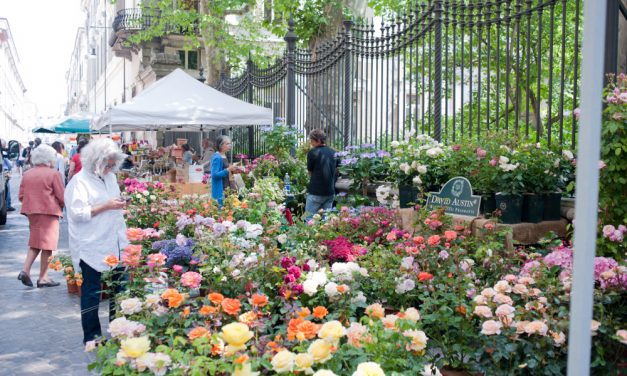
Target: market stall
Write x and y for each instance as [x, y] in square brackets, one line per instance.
[182, 103]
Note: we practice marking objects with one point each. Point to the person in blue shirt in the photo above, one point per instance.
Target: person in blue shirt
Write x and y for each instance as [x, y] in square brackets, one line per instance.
[188, 155]
[220, 169]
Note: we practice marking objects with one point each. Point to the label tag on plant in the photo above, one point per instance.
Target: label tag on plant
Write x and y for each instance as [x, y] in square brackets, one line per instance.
[456, 198]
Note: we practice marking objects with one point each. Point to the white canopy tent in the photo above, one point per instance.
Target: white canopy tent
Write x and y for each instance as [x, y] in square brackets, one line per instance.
[182, 103]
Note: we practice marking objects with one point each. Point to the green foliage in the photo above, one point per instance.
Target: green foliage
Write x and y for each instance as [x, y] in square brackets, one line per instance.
[613, 177]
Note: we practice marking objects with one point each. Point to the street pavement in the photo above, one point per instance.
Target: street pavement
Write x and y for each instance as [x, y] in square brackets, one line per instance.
[40, 329]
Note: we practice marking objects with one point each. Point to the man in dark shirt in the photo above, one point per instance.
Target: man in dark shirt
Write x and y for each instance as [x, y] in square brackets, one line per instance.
[321, 165]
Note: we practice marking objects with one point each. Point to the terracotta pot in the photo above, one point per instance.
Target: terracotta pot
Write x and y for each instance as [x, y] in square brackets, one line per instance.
[72, 288]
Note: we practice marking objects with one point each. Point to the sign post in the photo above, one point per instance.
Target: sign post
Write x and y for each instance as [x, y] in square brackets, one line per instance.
[456, 198]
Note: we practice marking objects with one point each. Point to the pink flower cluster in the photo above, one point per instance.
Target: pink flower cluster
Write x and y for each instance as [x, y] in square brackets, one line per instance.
[134, 185]
[191, 280]
[131, 256]
[342, 250]
[614, 234]
[156, 259]
[291, 286]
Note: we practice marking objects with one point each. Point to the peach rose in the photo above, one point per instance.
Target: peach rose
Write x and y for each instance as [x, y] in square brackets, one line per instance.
[505, 310]
[520, 289]
[482, 311]
[594, 326]
[536, 327]
[502, 287]
[520, 326]
[135, 234]
[559, 338]
[259, 300]
[375, 311]
[488, 292]
[111, 261]
[502, 299]
[491, 327]
[622, 336]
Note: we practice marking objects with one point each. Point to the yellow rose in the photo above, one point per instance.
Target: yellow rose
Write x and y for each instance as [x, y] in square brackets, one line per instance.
[304, 362]
[283, 361]
[332, 330]
[369, 369]
[244, 370]
[320, 350]
[236, 334]
[324, 372]
[135, 347]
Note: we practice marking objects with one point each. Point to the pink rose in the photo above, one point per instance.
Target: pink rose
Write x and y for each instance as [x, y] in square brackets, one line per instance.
[608, 230]
[602, 165]
[577, 112]
[481, 153]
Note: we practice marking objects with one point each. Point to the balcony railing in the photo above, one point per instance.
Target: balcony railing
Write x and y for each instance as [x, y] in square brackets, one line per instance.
[133, 19]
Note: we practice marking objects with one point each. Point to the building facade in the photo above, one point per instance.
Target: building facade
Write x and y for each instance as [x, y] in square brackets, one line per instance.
[17, 114]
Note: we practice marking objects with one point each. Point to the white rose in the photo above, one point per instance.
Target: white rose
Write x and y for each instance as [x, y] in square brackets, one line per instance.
[282, 238]
[130, 306]
[568, 154]
[310, 287]
[416, 180]
[412, 314]
[405, 167]
[331, 289]
[503, 160]
[395, 144]
[422, 169]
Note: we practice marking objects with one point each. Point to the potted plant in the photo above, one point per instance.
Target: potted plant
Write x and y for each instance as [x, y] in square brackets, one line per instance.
[363, 165]
[510, 184]
[540, 177]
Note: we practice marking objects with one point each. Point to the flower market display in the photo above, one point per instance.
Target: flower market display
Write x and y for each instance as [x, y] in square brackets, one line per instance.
[239, 291]
[247, 289]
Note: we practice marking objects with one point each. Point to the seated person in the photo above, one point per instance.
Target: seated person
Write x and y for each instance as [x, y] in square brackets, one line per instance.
[128, 162]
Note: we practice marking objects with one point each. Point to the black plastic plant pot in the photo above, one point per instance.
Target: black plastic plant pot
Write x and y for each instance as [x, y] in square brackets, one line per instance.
[488, 205]
[407, 195]
[510, 206]
[533, 208]
[552, 206]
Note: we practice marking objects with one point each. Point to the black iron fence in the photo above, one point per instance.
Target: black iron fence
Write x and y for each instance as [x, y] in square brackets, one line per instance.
[452, 69]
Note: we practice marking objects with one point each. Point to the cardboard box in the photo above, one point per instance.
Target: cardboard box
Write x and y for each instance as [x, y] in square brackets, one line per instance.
[192, 188]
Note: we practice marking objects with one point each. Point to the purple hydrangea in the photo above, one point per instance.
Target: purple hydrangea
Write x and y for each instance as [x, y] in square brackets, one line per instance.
[177, 253]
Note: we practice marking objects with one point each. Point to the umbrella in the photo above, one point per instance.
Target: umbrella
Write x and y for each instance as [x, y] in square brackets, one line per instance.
[77, 123]
[43, 130]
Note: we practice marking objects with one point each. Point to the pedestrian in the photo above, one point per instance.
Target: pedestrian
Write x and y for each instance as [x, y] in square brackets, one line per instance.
[6, 167]
[41, 194]
[207, 152]
[26, 155]
[321, 166]
[187, 154]
[128, 162]
[220, 169]
[60, 163]
[20, 159]
[75, 162]
[73, 150]
[96, 226]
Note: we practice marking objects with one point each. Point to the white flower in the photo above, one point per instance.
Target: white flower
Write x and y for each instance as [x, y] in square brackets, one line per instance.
[310, 287]
[160, 363]
[406, 168]
[235, 272]
[434, 152]
[152, 300]
[344, 271]
[359, 299]
[407, 262]
[422, 169]
[254, 231]
[568, 154]
[405, 286]
[503, 160]
[331, 289]
[130, 306]
[412, 314]
[416, 180]
[395, 144]
[383, 192]
[121, 327]
[282, 238]
[90, 346]
[313, 265]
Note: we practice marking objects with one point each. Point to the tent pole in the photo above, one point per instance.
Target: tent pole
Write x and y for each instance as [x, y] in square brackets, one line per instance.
[586, 204]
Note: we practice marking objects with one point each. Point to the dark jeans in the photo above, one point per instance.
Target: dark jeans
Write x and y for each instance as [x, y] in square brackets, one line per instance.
[7, 194]
[90, 300]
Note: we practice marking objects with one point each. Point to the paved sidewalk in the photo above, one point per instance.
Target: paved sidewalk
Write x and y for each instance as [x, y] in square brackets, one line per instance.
[40, 329]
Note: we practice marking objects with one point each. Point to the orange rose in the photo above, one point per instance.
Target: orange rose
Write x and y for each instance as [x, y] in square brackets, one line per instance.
[244, 204]
[259, 300]
[375, 310]
[173, 297]
[216, 297]
[424, 276]
[111, 261]
[301, 329]
[320, 312]
[198, 332]
[185, 312]
[231, 306]
[242, 359]
[207, 310]
[217, 348]
[135, 234]
[342, 289]
[304, 312]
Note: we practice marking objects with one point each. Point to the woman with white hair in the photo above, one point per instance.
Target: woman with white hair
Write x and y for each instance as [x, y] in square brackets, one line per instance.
[41, 194]
[96, 224]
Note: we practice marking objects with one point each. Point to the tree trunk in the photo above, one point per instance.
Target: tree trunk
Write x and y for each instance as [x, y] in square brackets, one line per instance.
[211, 63]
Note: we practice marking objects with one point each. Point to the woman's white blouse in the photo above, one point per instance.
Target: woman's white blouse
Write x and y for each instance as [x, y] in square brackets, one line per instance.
[91, 239]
